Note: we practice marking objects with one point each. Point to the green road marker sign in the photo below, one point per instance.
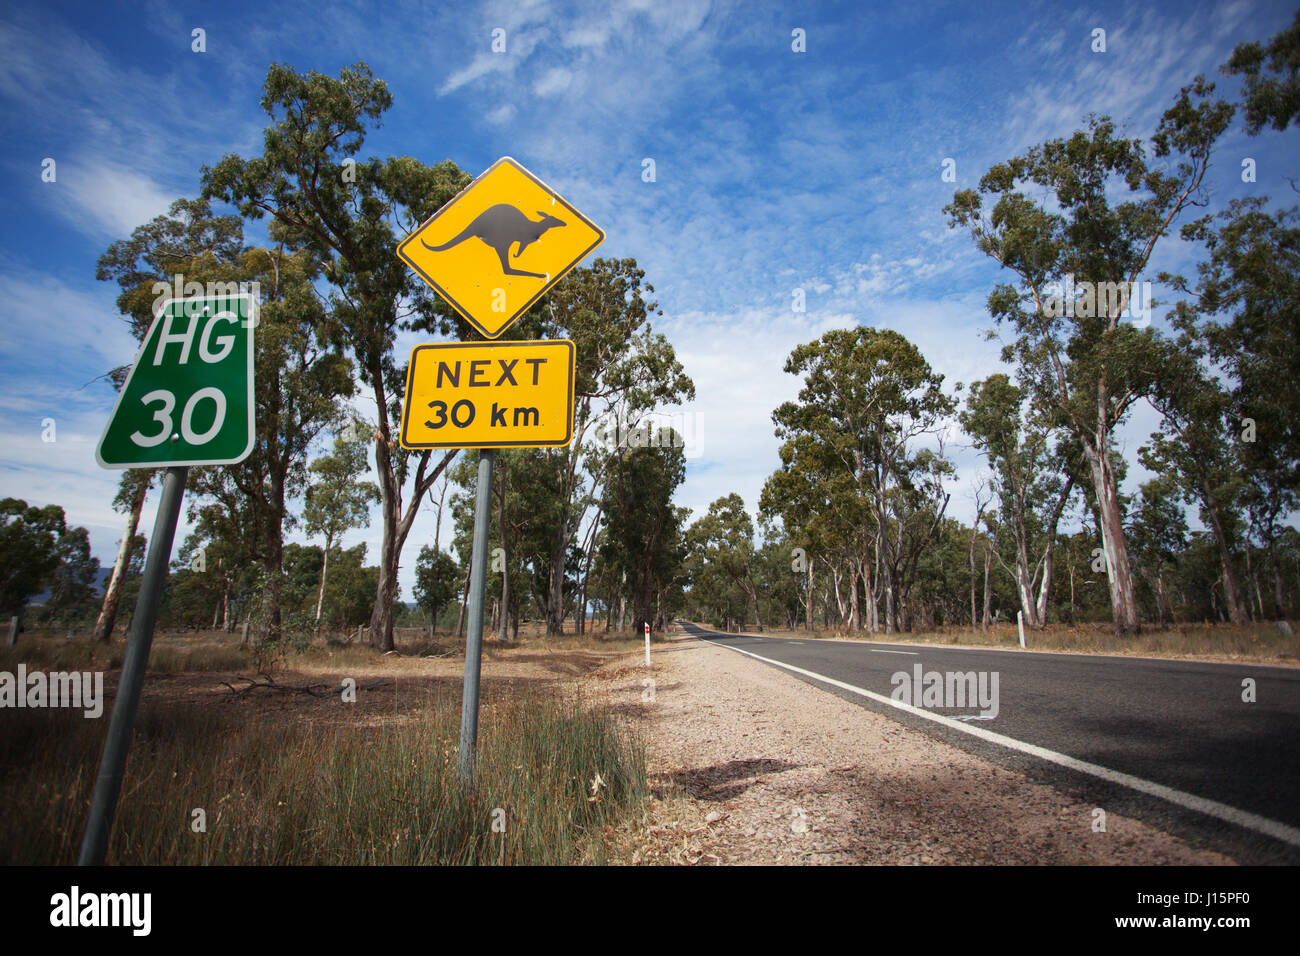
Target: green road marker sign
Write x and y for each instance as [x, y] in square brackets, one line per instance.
[188, 399]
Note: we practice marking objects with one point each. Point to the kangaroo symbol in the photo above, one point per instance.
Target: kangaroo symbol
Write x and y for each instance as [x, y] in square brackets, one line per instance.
[501, 226]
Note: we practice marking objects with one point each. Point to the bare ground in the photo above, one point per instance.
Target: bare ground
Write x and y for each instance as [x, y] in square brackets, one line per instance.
[753, 766]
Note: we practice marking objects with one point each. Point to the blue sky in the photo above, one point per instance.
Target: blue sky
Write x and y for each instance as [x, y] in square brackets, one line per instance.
[774, 171]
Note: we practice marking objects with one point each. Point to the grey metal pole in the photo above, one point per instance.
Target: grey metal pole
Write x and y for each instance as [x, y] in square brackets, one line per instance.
[112, 765]
[474, 634]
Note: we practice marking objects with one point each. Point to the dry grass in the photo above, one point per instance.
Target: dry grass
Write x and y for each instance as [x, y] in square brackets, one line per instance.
[277, 792]
[1262, 642]
[320, 784]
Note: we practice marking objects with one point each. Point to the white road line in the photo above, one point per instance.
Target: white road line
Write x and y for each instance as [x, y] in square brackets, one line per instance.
[1221, 811]
[877, 650]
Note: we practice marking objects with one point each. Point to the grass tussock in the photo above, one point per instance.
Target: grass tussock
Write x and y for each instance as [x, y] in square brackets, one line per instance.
[553, 773]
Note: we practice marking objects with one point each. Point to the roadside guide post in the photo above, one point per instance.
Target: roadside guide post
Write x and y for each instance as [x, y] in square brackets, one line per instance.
[491, 253]
[188, 400]
[647, 644]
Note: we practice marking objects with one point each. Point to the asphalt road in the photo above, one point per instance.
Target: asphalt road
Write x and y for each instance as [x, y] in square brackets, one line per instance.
[1148, 724]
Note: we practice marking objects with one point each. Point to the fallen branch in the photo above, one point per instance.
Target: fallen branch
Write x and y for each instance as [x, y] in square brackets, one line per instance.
[314, 690]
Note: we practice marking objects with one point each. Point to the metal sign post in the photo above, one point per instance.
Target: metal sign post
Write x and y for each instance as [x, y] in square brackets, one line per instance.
[491, 252]
[108, 786]
[474, 634]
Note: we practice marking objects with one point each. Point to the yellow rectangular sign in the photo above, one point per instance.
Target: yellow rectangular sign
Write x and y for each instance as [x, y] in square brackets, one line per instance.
[489, 395]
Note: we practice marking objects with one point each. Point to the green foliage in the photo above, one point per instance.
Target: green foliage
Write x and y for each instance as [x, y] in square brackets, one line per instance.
[32, 543]
[1270, 99]
[642, 542]
[853, 484]
[437, 580]
[73, 600]
[720, 562]
[1090, 207]
[337, 500]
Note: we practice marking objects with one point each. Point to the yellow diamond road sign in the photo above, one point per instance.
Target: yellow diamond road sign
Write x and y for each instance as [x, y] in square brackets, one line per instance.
[489, 395]
[498, 246]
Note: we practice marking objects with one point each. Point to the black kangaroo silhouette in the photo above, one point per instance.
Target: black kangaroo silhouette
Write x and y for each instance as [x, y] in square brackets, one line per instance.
[501, 226]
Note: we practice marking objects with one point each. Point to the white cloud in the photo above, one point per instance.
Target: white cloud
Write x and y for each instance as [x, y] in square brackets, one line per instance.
[553, 81]
[51, 324]
[105, 200]
[480, 66]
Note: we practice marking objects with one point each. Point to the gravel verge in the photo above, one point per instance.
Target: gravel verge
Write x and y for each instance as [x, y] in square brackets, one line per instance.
[753, 766]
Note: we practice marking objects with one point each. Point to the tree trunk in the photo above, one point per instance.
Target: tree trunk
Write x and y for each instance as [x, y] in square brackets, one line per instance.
[811, 583]
[1049, 552]
[464, 603]
[381, 616]
[1045, 586]
[590, 551]
[974, 618]
[1277, 590]
[113, 592]
[1072, 621]
[988, 594]
[1160, 596]
[503, 632]
[890, 611]
[274, 562]
[320, 598]
[397, 525]
[1025, 586]
[839, 598]
[1231, 587]
[855, 613]
[1119, 573]
[753, 595]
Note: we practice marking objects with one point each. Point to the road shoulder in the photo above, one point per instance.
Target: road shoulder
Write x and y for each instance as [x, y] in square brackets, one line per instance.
[759, 767]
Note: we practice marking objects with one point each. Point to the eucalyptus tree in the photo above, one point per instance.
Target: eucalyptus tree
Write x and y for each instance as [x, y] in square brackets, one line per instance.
[437, 577]
[153, 259]
[1243, 314]
[1018, 442]
[301, 390]
[30, 539]
[1159, 535]
[350, 214]
[1078, 356]
[336, 499]
[1195, 445]
[722, 543]
[1272, 76]
[624, 370]
[868, 397]
[825, 517]
[642, 531]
